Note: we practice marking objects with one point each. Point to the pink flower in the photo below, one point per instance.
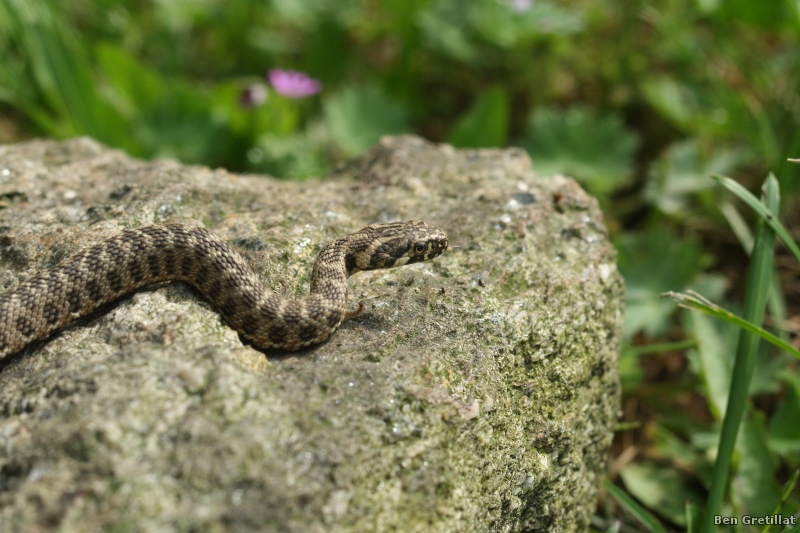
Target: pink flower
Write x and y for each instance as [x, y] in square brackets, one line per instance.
[293, 84]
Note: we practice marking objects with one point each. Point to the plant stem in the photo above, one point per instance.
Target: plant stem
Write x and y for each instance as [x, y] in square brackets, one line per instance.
[759, 278]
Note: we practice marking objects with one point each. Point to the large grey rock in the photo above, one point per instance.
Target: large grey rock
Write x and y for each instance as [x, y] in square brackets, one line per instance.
[476, 393]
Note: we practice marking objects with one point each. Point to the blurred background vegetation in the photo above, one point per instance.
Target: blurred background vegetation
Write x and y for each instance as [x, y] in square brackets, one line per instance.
[639, 100]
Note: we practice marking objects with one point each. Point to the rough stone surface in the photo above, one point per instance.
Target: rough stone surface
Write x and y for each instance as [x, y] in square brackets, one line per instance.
[477, 392]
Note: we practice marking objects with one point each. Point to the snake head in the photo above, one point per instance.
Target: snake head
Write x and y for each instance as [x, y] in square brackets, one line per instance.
[396, 244]
[422, 243]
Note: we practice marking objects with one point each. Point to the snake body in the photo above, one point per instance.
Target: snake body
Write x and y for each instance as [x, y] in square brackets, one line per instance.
[137, 258]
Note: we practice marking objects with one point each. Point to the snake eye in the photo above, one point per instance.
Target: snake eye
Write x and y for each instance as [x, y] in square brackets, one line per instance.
[420, 247]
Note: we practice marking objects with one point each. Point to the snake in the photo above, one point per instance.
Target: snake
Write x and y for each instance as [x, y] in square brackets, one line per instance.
[36, 308]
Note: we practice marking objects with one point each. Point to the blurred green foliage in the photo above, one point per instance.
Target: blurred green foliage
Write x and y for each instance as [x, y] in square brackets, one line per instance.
[598, 89]
[596, 150]
[638, 100]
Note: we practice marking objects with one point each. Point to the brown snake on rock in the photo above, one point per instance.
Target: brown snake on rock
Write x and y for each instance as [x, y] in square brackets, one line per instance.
[135, 259]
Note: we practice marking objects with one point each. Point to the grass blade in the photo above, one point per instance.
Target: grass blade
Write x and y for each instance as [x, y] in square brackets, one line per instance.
[693, 517]
[759, 278]
[65, 100]
[692, 300]
[761, 210]
[777, 305]
[787, 491]
[633, 507]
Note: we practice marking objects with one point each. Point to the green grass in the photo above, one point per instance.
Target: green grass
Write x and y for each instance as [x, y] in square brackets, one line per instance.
[757, 490]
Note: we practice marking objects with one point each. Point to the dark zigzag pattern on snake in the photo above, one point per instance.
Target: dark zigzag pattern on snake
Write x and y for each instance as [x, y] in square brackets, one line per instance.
[36, 308]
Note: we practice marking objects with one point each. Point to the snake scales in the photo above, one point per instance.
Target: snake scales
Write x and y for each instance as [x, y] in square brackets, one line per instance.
[113, 268]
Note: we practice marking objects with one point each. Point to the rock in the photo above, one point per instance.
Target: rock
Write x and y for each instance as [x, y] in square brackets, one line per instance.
[478, 392]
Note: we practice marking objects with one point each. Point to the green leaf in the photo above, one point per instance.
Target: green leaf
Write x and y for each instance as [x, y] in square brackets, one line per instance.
[653, 262]
[661, 489]
[292, 156]
[669, 445]
[716, 362]
[769, 368]
[633, 507]
[443, 28]
[682, 172]
[171, 117]
[753, 488]
[784, 431]
[499, 24]
[461, 29]
[357, 117]
[767, 15]
[307, 13]
[712, 285]
[674, 101]
[328, 52]
[595, 149]
[713, 361]
[485, 124]
[631, 374]
[139, 88]
[276, 116]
